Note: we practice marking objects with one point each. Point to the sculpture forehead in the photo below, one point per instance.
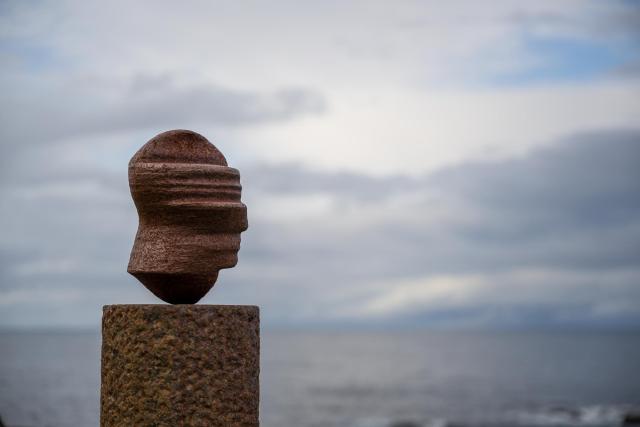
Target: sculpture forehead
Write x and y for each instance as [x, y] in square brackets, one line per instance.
[179, 146]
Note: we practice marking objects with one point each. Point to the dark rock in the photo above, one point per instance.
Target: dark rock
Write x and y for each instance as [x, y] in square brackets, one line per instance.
[631, 419]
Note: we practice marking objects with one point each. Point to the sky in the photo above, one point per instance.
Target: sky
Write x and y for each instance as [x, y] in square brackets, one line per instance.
[454, 164]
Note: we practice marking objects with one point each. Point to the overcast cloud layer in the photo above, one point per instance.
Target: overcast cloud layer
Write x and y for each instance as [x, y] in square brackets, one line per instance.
[458, 165]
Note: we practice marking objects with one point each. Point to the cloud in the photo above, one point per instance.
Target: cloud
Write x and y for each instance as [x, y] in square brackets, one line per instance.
[550, 234]
[367, 46]
[382, 153]
[408, 88]
[552, 231]
[417, 131]
[560, 297]
[83, 109]
[510, 242]
[595, 20]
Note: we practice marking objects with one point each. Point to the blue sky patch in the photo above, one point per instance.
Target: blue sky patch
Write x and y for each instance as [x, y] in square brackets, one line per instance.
[568, 60]
[33, 57]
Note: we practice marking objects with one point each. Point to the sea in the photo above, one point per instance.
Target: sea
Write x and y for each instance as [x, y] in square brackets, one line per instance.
[343, 378]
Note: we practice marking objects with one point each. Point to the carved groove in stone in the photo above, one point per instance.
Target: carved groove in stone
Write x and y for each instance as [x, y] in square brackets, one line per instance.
[190, 215]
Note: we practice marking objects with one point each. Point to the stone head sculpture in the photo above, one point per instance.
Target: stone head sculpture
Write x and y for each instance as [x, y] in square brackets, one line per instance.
[190, 215]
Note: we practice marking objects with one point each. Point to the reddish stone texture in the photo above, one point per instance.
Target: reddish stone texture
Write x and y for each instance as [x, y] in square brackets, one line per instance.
[190, 215]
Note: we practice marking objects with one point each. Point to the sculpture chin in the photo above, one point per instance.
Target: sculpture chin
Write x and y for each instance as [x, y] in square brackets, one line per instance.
[177, 288]
[180, 268]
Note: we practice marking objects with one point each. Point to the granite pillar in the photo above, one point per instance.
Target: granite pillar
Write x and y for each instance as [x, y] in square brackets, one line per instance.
[180, 365]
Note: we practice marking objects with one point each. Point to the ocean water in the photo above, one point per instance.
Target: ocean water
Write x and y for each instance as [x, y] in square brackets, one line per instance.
[365, 379]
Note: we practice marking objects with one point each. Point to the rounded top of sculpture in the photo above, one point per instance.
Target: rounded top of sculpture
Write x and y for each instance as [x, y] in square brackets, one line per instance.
[179, 146]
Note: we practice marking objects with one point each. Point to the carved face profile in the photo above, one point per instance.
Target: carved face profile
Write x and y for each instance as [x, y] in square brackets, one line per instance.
[190, 215]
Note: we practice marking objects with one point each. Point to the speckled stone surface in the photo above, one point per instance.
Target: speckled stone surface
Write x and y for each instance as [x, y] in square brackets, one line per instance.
[180, 365]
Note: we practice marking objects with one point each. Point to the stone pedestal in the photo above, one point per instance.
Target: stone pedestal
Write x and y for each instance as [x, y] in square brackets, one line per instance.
[180, 365]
